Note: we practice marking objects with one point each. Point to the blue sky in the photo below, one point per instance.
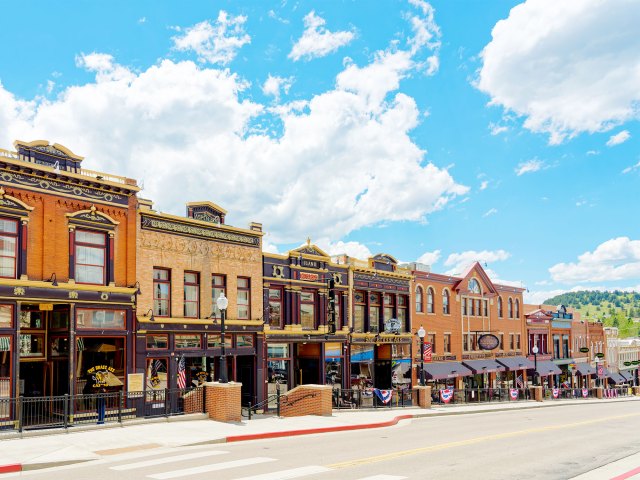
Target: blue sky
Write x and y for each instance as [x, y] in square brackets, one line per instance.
[447, 131]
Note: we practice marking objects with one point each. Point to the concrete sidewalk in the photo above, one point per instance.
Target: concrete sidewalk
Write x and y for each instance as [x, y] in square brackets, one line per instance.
[57, 447]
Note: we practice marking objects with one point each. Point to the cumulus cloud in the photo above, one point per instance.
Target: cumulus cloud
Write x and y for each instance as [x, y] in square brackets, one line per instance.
[497, 129]
[425, 35]
[529, 166]
[429, 258]
[460, 261]
[216, 42]
[615, 259]
[316, 41]
[618, 138]
[484, 184]
[351, 248]
[566, 67]
[185, 130]
[632, 168]
[274, 85]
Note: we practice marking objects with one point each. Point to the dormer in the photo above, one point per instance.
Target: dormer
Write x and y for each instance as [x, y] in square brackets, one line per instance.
[206, 212]
[55, 156]
[384, 262]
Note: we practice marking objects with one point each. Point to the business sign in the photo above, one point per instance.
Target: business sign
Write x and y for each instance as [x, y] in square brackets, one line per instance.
[584, 350]
[99, 376]
[309, 276]
[392, 325]
[488, 342]
[600, 355]
[310, 263]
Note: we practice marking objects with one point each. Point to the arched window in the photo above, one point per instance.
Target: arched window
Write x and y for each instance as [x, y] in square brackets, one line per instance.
[419, 299]
[510, 307]
[500, 307]
[445, 301]
[474, 286]
[517, 308]
[430, 308]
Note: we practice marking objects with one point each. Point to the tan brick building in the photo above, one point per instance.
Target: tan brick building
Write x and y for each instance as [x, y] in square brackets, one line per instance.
[183, 264]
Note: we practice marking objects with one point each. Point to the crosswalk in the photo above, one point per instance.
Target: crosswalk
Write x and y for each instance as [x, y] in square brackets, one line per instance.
[215, 462]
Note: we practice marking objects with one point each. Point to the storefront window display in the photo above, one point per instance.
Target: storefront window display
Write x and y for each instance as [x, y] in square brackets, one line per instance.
[214, 340]
[5, 374]
[6, 316]
[278, 361]
[333, 363]
[93, 353]
[401, 366]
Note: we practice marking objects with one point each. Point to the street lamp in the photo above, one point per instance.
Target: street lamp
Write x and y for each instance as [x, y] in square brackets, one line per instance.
[421, 333]
[534, 350]
[223, 302]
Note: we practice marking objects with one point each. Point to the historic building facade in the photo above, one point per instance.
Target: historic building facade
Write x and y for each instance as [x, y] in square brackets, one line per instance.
[67, 266]
[460, 314]
[183, 265]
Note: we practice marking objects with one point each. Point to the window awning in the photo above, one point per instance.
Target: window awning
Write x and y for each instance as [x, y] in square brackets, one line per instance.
[484, 366]
[546, 368]
[585, 369]
[515, 363]
[441, 370]
[628, 374]
[616, 378]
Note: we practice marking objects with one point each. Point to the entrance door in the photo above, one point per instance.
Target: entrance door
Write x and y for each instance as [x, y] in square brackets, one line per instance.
[32, 379]
[244, 369]
[382, 374]
[308, 371]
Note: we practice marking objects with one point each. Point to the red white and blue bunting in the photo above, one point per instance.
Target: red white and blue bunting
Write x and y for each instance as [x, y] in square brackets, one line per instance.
[446, 394]
[383, 395]
[585, 392]
[555, 392]
[513, 393]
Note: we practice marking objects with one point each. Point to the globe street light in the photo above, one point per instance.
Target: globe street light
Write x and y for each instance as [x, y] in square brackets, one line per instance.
[421, 333]
[534, 350]
[223, 302]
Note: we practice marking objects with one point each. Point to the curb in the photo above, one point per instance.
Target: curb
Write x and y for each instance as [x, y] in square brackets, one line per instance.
[16, 467]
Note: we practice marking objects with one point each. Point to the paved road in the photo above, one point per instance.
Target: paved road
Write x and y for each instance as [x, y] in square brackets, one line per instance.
[549, 443]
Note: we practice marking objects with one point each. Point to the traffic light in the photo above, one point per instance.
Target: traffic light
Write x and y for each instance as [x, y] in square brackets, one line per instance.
[331, 321]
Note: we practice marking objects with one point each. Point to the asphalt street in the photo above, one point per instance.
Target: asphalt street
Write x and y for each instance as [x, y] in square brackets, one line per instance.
[549, 443]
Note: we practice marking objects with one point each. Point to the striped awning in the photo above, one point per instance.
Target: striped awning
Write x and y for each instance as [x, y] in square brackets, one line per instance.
[5, 344]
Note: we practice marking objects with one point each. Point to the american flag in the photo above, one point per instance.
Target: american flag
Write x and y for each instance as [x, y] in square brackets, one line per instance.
[182, 376]
[426, 354]
[519, 382]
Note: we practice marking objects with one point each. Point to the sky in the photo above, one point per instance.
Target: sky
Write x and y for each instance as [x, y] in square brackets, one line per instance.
[443, 132]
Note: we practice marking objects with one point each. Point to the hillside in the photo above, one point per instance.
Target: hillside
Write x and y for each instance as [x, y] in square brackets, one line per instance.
[616, 308]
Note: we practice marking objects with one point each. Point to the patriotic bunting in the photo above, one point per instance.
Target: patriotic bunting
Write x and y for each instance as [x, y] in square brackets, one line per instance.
[383, 395]
[446, 394]
[513, 393]
[555, 392]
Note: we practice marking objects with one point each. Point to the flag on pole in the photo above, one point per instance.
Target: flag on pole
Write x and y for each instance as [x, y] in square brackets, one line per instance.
[426, 354]
[154, 379]
[182, 375]
[519, 382]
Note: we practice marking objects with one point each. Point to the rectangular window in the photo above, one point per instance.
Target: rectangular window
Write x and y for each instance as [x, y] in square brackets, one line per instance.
[402, 312]
[465, 339]
[275, 307]
[191, 294]
[478, 311]
[485, 305]
[358, 319]
[374, 312]
[431, 338]
[214, 340]
[161, 292]
[100, 319]
[501, 346]
[556, 346]
[188, 341]
[90, 257]
[472, 310]
[244, 341]
[388, 306]
[244, 298]
[8, 248]
[513, 344]
[157, 341]
[32, 345]
[517, 341]
[218, 286]
[447, 343]
[307, 310]
[6, 316]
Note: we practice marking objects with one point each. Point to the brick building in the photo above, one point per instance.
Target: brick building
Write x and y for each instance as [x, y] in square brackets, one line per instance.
[183, 264]
[67, 266]
[461, 313]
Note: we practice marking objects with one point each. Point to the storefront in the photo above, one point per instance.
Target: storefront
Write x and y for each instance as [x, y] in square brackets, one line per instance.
[382, 361]
[516, 371]
[487, 373]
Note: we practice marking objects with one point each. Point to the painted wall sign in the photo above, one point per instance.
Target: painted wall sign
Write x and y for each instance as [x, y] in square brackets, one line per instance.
[488, 342]
[313, 277]
[310, 263]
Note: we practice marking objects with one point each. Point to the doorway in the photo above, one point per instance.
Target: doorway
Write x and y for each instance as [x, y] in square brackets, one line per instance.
[244, 370]
[307, 364]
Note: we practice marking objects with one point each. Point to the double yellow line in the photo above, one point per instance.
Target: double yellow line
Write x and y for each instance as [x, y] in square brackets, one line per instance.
[472, 441]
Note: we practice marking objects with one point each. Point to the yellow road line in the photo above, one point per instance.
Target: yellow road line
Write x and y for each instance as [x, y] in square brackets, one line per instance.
[472, 441]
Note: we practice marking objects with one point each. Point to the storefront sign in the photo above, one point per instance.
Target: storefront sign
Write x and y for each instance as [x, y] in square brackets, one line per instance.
[313, 277]
[584, 350]
[390, 339]
[310, 263]
[100, 376]
[46, 307]
[393, 325]
[488, 342]
[600, 355]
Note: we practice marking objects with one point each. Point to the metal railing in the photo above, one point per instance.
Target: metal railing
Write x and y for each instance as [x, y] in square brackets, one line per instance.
[481, 395]
[65, 411]
[351, 398]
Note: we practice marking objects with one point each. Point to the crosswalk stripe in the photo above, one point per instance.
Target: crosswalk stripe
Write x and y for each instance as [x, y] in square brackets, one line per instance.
[383, 477]
[170, 459]
[289, 474]
[211, 468]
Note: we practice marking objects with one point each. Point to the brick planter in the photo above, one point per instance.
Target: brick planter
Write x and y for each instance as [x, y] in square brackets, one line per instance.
[224, 401]
[306, 400]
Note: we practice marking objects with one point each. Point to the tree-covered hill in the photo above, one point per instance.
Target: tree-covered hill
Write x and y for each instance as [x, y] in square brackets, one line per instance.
[616, 308]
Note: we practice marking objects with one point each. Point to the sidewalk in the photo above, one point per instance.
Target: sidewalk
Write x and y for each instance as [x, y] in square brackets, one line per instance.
[57, 447]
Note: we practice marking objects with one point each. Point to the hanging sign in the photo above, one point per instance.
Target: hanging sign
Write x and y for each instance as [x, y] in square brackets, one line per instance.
[600, 370]
[488, 342]
[392, 325]
[426, 354]
[584, 350]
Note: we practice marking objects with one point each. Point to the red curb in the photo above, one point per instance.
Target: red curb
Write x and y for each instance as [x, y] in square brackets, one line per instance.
[311, 431]
[17, 467]
[628, 474]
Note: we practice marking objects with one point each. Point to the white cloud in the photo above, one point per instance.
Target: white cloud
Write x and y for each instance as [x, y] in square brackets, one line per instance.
[484, 184]
[460, 261]
[496, 129]
[429, 258]
[615, 259]
[529, 166]
[142, 20]
[425, 34]
[593, 152]
[267, 246]
[274, 15]
[178, 117]
[216, 42]
[353, 249]
[274, 85]
[316, 41]
[618, 138]
[567, 67]
[631, 168]
[491, 211]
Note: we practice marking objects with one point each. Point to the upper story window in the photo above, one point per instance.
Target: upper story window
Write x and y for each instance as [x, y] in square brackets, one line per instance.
[430, 308]
[8, 248]
[161, 292]
[244, 298]
[419, 300]
[510, 307]
[275, 307]
[191, 294]
[445, 301]
[307, 310]
[359, 311]
[485, 307]
[474, 286]
[218, 286]
[517, 308]
[500, 307]
[402, 312]
[388, 306]
[90, 257]
[374, 312]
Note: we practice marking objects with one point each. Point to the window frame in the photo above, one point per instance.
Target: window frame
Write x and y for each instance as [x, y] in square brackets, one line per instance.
[312, 304]
[16, 237]
[162, 282]
[446, 306]
[186, 302]
[104, 248]
[248, 304]
[279, 302]
[431, 308]
[500, 308]
[419, 299]
[217, 288]
[510, 307]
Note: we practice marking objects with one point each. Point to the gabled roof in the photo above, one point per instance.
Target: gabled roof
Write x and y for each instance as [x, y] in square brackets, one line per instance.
[468, 274]
[309, 249]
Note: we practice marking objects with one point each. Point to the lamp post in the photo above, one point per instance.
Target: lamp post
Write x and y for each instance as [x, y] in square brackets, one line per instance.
[222, 302]
[421, 333]
[534, 350]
